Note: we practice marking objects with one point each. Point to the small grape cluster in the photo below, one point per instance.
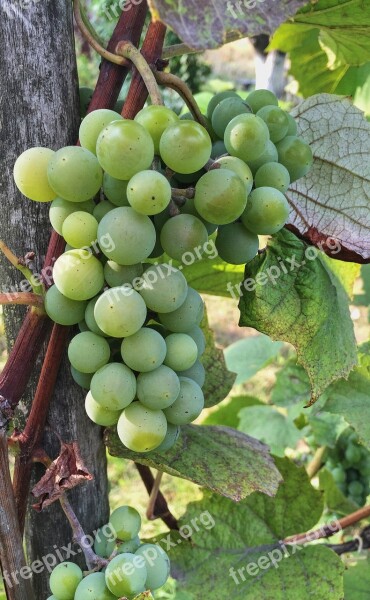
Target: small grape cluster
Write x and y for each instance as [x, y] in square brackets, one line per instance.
[132, 569]
[349, 464]
[139, 344]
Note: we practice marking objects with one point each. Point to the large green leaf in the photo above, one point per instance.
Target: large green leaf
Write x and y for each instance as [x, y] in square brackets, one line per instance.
[326, 427]
[303, 304]
[218, 458]
[334, 499]
[246, 536]
[248, 356]
[205, 24]
[357, 580]
[228, 413]
[213, 276]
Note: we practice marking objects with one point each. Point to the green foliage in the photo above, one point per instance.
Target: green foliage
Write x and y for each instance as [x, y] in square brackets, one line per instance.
[228, 413]
[270, 426]
[357, 580]
[189, 67]
[334, 499]
[248, 356]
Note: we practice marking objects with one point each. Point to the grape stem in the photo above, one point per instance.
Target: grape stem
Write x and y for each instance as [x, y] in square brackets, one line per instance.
[129, 51]
[187, 193]
[160, 510]
[180, 49]
[315, 465]
[23, 299]
[21, 265]
[150, 512]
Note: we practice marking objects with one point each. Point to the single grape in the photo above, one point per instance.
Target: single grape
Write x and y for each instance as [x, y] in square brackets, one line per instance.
[220, 196]
[125, 236]
[296, 155]
[276, 120]
[355, 488]
[116, 275]
[144, 351]
[141, 429]
[225, 111]
[93, 124]
[188, 405]
[30, 174]
[113, 386]
[82, 326]
[235, 244]
[157, 565]
[156, 119]
[218, 149]
[270, 155]
[259, 98]
[339, 475]
[186, 317]
[353, 454]
[63, 310]
[93, 587]
[189, 209]
[125, 522]
[100, 415]
[267, 211]
[185, 147]
[115, 190]
[120, 311]
[274, 175]
[75, 174]
[217, 98]
[126, 576]
[182, 235]
[88, 352]
[149, 192]
[124, 148]
[196, 372]
[163, 288]
[172, 435]
[105, 541]
[292, 127]
[102, 209]
[78, 275]
[129, 546]
[198, 336]
[61, 209]
[158, 389]
[239, 167]
[182, 351]
[246, 137]
[64, 580]
[80, 229]
[82, 379]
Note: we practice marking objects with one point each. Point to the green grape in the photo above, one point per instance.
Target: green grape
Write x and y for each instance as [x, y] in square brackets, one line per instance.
[102, 209]
[274, 175]
[105, 541]
[259, 98]
[207, 123]
[188, 405]
[163, 288]
[292, 127]
[296, 155]
[182, 351]
[172, 435]
[125, 236]
[246, 137]
[93, 586]
[352, 475]
[64, 580]
[276, 120]
[353, 454]
[88, 352]
[82, 379]
[183, 235]
[100, 415]
[124, 148]
[225, 111]
[355, 488]
[113, 386]
[239, 167]
[235, 245]
[218, 149]
[129, 546]
[125, 576]
[220, 196]
[144, 351]
[155, 119]
[189, 209]
[270, 155]
[30, 174]
[120, 312]
[217, 98]
[125, 522]
[267, 211]
[115, 190]
[339, 475]
[185, 147]
[93, 124]
[116, 275]
[63, 310]
[75, 174]
[141, 429]
[61, 209]
[78, 275]
[149, 192]
[158, 389]
[186, 317]
[80, 229]
[198, 336]
[82, 326]
[196, 372]
[157, 565]
[90, 318]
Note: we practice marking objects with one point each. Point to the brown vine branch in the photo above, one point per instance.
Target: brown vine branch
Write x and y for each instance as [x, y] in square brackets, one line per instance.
[23, 299]
[359, 543]
[20, 265]
[128, 50]
[160, 509]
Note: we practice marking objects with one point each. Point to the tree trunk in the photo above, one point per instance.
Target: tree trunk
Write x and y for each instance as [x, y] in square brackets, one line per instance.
[39, 107]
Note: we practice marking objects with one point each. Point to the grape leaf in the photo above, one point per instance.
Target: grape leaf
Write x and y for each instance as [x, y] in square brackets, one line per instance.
[326, 427]
[218, 458]
[330, 207]
[228, 414]
[304, 304]
[205, 24]
[248, 356]
[357, 580]
[215, 563]
[213, 276]
[334, 499]
[292, 386]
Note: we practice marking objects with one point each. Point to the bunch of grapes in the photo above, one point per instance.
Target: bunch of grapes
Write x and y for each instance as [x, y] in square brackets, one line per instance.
[349, 464]
[132, 569]
[139, 344]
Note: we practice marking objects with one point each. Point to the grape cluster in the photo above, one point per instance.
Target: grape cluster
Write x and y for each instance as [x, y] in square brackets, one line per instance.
[139, 344]
[133, 568]
[349, 464]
